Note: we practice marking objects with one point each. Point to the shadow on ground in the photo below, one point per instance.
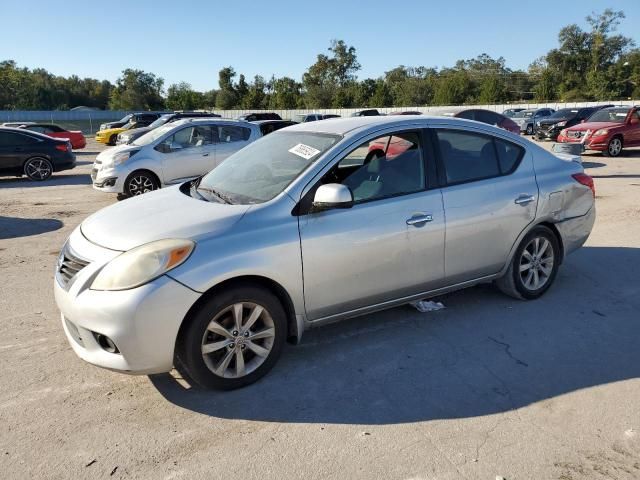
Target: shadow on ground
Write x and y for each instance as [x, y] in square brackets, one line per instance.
[484, 354]
[14, 227]
[55, 181]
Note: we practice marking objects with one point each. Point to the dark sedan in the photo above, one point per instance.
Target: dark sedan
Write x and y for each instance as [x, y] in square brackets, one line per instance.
[268, 126]
[484, 116]
[549, 128]
[32, 154]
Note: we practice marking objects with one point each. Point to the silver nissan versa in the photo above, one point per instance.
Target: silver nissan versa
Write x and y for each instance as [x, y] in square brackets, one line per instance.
[312, 224]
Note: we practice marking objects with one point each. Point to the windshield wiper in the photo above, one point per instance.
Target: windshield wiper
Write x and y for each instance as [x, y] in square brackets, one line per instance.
[220, 195]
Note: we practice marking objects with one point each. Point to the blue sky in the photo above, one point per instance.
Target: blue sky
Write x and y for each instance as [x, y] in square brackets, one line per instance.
[182, 40]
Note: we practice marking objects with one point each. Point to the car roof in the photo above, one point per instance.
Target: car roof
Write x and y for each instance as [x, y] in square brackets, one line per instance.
[264, 122]
[351, 125]
[29, 133]
[211, 120]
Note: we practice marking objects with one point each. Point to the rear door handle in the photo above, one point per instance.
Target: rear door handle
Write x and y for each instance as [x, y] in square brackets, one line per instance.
[524, 199]
[420, 219]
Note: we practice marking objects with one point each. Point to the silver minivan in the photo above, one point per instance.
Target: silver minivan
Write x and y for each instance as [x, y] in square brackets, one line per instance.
[309, 225]
[170, 154]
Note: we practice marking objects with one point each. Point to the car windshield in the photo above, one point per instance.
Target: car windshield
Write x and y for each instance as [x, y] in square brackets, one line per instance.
[161, 121]
[299, 118]
[153, 135]
[616, 115]
[564, 113]
[263, 169]
[126, 118]
[524, 114]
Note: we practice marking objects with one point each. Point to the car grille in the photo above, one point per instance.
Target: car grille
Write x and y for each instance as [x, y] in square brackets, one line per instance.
[575, 134]
[68, 267]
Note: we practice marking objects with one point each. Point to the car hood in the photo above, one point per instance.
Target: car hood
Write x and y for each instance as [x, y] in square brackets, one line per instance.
[138, 131]
[553, 121]
[165, 213]
[109, 152]
[582, 127]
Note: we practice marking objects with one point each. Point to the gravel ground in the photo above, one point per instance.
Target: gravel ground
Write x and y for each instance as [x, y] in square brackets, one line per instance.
[487, 387]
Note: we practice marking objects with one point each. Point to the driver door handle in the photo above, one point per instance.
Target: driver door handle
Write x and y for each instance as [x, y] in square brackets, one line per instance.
[205, 154]
[420, 219]
[524, 199]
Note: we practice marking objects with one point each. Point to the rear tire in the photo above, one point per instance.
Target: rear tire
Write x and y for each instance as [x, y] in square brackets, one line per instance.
[139, 182]
[217, 352]
[534, 265]
[38, 169]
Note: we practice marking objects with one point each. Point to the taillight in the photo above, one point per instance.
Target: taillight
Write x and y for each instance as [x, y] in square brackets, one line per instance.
[586, 180]
[63, 147]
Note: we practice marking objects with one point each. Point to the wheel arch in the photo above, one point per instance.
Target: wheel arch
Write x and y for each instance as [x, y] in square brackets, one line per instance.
[294, 329]
[542, 223]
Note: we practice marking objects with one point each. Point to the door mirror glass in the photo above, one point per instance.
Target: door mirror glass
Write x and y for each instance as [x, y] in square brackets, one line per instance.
[635, 120]
[332, 195]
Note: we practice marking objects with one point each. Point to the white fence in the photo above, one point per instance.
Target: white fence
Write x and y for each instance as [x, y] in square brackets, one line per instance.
[89, 120]
[345, 112]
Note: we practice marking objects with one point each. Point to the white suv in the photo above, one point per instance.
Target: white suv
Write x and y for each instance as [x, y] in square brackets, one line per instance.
[170, 154]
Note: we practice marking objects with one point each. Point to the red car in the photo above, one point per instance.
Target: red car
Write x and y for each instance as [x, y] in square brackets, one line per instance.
[608, 130]
[485, 116]
[75, 136]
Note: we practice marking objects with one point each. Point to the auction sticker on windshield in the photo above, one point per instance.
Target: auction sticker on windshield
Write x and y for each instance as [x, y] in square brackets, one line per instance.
[304, 151]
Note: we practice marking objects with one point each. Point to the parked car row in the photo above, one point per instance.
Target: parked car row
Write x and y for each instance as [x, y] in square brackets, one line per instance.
[318, 222]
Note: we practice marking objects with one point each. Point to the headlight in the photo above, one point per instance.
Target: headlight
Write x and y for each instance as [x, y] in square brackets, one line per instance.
[563, 132]
[602, 131]
[142, 264]
[561, 124]
[118, 159]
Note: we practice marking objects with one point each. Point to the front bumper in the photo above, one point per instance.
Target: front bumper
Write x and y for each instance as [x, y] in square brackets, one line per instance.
[142, 322]
[543, 133]
[108, 180]
[589, 143]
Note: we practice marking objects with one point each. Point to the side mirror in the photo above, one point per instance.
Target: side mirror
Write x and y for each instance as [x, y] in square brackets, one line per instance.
[583, 120]
[332, 195]
[634, 121]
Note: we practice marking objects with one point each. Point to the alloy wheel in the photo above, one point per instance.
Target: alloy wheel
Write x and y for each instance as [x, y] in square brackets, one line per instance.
[140, 184]
[615, 147]
[536, 263]
[38, 169]
[238, 340]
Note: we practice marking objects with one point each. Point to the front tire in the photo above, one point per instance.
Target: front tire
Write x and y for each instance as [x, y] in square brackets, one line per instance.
[38, 169]
[233, 339]
[139, 182]
[533, 267]
[113, 139]
[529, 130]
[614, 147]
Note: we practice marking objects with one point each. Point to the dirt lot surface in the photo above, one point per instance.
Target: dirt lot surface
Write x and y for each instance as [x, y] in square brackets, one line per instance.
[487, 387]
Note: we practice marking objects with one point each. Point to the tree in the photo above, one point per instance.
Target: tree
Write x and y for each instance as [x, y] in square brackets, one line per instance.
[329, 74]
[286, 94]
[227, 96]
[137, 90]
[182, 97]
[255, 96]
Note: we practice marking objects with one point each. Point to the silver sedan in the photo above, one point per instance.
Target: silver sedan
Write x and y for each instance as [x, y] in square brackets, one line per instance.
[312, 224]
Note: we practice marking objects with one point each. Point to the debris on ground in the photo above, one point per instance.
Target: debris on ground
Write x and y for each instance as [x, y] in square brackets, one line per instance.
[425, 306]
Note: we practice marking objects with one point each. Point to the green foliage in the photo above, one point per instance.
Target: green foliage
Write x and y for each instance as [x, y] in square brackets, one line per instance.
[592, 63]
[137, 90]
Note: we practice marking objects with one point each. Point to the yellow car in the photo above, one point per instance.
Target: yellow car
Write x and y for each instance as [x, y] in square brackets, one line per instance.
[110, 135]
